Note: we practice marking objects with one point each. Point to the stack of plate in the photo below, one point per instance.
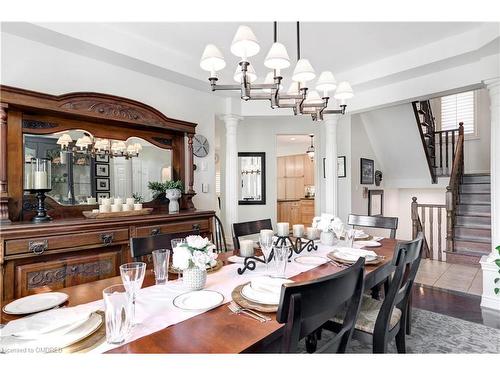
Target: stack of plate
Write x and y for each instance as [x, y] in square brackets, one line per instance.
[311, 260]
[350, 255]
[35, 303]
[264, 290]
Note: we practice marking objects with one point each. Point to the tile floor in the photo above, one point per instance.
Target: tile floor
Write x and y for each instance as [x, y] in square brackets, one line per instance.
[459, 277]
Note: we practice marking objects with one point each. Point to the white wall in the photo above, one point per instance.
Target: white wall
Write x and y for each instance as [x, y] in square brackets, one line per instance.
[35, 66]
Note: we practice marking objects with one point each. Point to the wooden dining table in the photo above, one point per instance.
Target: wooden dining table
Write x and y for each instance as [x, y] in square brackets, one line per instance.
[219, 330]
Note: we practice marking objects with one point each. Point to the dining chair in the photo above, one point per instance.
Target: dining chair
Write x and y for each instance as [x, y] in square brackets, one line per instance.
[144, 246]
[248, 228]
[306, 306]
[219, 236]
[386, 320]
[383, 222]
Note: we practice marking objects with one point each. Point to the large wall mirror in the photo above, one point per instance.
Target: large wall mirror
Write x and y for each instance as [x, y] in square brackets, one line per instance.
[252, 169]
[85, 168]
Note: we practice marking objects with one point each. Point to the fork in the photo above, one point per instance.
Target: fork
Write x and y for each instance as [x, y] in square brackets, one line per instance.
[237, 310]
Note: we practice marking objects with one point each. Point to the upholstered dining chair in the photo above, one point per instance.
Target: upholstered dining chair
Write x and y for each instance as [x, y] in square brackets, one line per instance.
[144, 246]
[306, 306]
[247, 228]
[386, 320]
[219, 236]
[383, 222]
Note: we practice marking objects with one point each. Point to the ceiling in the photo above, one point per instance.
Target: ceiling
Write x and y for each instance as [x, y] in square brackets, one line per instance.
[287, 142]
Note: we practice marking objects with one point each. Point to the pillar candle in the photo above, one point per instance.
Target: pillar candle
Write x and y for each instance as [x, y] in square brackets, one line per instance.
[311, 233]
[116, 207]
[266, 233]
[91, 200]
[104, 208]
[246, 248]
[118, 201]
[137, 206]
[298, 230]
[283, 229]
[40, 180]
[125, 207]
[130, 201]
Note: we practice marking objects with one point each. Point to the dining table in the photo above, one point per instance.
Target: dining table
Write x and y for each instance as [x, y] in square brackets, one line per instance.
[219, 330]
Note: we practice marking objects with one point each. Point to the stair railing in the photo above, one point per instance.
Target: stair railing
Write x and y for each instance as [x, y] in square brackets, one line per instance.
[453, 189]
[434, 214]
[427, 130]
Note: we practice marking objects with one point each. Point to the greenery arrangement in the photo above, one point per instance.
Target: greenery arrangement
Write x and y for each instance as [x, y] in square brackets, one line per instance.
[497, 262]
[159, 187]
[138, 198]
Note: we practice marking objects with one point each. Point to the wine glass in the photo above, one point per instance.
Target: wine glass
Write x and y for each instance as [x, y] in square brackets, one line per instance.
[349, 236]
[338, 228]
[266, 245]
[280, 260]
[132, 277]
[176, 242]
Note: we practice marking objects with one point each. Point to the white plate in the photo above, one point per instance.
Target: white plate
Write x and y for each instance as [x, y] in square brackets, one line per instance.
[53, 341]
[35, 303]
[367, 244]
[311, 260]
[198, 300]
[361, 236]
[348, 257]
[256, 296]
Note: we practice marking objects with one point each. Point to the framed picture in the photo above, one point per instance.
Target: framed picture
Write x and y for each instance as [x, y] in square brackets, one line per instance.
[341, 168]
[102, 158]
[367, 171]
[102, 170]
[102, 184]
[375, 203]
[102, 195]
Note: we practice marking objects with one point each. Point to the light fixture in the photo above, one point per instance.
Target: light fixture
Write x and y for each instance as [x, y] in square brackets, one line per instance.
[310, 150]
[298, 97]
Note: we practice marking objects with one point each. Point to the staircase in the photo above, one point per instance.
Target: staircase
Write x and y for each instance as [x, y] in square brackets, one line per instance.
[472, 227]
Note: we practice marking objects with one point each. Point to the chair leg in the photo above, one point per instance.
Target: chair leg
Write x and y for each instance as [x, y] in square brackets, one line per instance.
[311, 342]
[408, 316]
[401, 340]
[379, 345]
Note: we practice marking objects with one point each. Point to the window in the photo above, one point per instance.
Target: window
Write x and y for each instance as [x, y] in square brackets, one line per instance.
[458, 108]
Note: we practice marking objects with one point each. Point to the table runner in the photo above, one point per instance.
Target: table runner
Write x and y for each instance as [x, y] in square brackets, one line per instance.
[155, 310]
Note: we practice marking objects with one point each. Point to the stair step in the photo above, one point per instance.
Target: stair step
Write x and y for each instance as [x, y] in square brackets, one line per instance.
[475, 198]
[476, 179]
[473, 221]
[474, 210]
[473, 234]
[472, 246]
[463, 257]
[422, 112]
[475, 188]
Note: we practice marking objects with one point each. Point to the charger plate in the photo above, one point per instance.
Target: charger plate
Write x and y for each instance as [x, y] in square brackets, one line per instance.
[332, 256]
[215, 268]
[243, 302]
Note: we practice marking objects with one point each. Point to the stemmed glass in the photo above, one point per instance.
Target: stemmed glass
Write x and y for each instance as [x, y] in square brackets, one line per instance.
[176, 242]
[266, 245]
[338, 228]
[280, 260]
[349, 236]
[132, 277]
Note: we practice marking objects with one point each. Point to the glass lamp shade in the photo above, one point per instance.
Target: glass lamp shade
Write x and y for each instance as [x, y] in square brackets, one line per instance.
[138, 147]
[344, 91]
[313, 98]
[251, 76]
[64, 140]
[245, 43]
[293, 89]
[131, 149]
[277, 57]
[212, 59]
[310, 152]
[326, 82]
[303, 71]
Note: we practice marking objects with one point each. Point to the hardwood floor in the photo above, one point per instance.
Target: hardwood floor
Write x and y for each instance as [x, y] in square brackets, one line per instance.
[451, 303]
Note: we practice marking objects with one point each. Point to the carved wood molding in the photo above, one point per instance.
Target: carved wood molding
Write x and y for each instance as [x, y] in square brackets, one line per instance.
[34, 124]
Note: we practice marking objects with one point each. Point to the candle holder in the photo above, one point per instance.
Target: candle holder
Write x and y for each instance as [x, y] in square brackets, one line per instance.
[41, 212]
[249, 263]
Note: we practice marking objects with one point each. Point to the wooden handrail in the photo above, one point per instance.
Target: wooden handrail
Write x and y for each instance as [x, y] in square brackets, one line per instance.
[425, 109]
[453, 189]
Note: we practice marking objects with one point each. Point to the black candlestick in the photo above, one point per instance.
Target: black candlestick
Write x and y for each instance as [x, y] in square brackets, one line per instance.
[41, 212]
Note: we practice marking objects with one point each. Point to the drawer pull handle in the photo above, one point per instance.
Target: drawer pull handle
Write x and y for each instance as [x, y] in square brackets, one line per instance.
[38, 247]
[155, 231]
[107, 238]
[196, 228]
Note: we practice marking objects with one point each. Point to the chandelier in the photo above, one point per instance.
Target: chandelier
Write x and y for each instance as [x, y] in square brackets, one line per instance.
[100, 146]
[298, 97]
[310, 149]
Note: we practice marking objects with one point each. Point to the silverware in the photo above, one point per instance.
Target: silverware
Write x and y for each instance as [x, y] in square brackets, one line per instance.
[238, 309]
[340, 265]
[266, 318]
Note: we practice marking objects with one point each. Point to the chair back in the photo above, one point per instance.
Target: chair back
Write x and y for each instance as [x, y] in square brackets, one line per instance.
[247, 228]
[374, 222]
[306, 306]
[406, 261]
[143, 246]
[219, 236]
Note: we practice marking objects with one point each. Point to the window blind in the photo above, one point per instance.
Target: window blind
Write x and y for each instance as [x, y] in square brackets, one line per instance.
[217, 182]
[458, 108]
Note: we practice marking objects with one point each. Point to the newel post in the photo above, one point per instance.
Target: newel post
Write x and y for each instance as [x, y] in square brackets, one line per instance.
[449, 218]
[4, 196]
[191, 164]
[414, 217]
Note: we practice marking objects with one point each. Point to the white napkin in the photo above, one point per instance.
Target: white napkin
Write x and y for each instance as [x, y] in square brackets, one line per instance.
[359, 233]
[44, 322]
[378, 238]
[266, 284]
[356, 253]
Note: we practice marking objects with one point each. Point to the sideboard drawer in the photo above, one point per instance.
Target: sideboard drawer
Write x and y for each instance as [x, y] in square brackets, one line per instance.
[40, 245]
[202, 226]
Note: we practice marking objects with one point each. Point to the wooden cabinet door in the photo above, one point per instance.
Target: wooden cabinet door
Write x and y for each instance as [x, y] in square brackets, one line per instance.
[308, 171]
[290, 188]
[281, 188]
[284, 212]
[281, 166]
[294, 213]
[306, 212]
[289, 166]
[299, 191]
[299, 165]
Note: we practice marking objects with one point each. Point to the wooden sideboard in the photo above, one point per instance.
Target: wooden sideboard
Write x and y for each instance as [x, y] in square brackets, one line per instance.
[64, 253]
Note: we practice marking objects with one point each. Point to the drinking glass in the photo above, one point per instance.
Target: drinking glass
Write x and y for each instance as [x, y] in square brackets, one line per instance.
[160, 265]
[266, 245]
[280, 260]
[176, 242]
[349, 237]
[132, 277]
[338, 228]
[117, 310]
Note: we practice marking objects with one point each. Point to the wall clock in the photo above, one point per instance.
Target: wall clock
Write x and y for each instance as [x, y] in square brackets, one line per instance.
[200, 146]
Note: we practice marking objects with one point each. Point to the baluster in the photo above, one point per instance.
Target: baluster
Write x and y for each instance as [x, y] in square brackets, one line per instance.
[440, 213]
[431, 230]
[414, 217]
[422, 215]
[452, 147]
[441, 152]
[447, 146]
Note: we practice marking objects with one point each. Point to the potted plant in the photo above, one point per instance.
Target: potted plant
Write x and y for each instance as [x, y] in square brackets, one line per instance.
[173, 191]
[497, 262]
[156, 187]
[327, 225]
[138, 201]
[193, 257]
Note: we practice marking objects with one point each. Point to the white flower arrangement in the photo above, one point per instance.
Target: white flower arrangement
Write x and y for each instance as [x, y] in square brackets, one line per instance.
[195, 252]
[326, 222]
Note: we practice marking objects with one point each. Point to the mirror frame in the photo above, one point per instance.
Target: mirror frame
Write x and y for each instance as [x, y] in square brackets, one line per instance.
[262, 156]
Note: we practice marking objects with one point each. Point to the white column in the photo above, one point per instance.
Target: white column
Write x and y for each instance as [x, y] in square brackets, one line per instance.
[331, 188]
[490, 269]
[231, 172]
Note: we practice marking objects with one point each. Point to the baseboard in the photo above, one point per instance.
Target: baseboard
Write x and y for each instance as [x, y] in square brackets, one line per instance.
[492, 303]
